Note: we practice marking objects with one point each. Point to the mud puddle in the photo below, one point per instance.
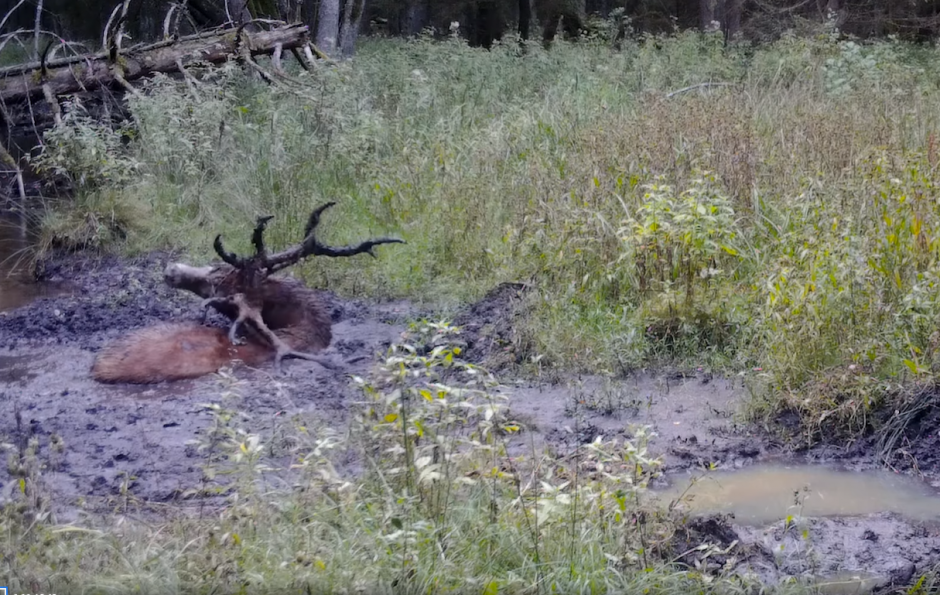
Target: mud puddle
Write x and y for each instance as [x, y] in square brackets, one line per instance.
[849, 583]
[17, 286]
[693, 418]
[765, 493]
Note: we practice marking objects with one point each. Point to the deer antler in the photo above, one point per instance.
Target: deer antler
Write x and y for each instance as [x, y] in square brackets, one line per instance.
[257, 237]
[309, 246]
[257, 240]
[228, 257]
[251, 272]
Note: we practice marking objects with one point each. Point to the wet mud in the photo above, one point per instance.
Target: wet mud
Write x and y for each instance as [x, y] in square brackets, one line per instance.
[102, 443]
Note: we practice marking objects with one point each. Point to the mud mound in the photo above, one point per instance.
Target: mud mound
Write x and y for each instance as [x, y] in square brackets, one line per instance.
[905, 436]
[878, 552]
[489, 327]
[715, 530]
[882, 550]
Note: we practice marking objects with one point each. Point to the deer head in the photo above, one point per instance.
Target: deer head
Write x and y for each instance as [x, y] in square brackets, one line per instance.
[252, 270]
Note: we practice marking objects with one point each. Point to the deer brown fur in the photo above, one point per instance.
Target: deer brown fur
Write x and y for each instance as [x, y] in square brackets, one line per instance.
[173, 352]
[280, 318]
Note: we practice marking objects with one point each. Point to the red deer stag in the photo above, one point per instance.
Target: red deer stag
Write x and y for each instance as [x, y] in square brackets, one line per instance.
[279, 317]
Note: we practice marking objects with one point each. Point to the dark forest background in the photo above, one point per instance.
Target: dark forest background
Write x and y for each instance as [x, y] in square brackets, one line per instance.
[484, 21]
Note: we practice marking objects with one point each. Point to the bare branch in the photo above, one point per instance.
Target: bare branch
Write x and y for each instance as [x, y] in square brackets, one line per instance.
[9, 13]
[36, 28]
[300, 59]
[189, 78]
[698, 86]
[118, 74]
[8, 159]
[106, 35]
[53, 104]
[43, 70]
[118, 38]
[276, 58]
[314, 50]
[265, 75]
[168, 19]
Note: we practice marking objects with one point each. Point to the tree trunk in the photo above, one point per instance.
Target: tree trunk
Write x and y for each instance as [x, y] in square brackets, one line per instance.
[415, 17]
[525, 18]
[486, 24]
[827, 6]
[84, 73]
[237, 12]
[732, 18]
[352, 21]
[284, 10]
[328, 26]
[708, 11]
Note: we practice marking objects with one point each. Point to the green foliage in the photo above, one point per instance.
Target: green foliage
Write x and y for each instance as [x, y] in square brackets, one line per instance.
[89, 154]
[681, 239]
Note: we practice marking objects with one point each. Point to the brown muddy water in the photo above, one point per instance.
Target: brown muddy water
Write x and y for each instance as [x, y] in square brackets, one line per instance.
[17, 286]
[767, 493]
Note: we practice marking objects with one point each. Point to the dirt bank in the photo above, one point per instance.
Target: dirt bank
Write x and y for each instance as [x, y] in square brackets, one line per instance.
[103, 442]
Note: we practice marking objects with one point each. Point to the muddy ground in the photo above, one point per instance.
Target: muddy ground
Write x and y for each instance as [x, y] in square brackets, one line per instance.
[141, 437]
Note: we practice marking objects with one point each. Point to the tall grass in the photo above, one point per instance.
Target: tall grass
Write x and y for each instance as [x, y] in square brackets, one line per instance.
[786, 222]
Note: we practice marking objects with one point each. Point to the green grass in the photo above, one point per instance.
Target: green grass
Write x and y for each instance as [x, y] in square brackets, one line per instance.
[785, 227]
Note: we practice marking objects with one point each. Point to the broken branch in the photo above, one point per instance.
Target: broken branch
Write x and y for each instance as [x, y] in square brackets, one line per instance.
[70, 75]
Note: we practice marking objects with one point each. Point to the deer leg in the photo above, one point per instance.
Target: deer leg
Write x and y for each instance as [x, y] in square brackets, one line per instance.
[282, 350]
[289, 353]
[210, 303]
[245, 312]
[233, 330]
[239, 302]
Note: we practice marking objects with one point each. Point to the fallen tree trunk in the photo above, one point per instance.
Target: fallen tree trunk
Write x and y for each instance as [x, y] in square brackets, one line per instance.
[84, 73]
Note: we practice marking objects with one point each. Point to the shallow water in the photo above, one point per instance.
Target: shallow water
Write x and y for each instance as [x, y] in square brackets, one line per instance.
[764, 494]
[847, 583]
[17, 287]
